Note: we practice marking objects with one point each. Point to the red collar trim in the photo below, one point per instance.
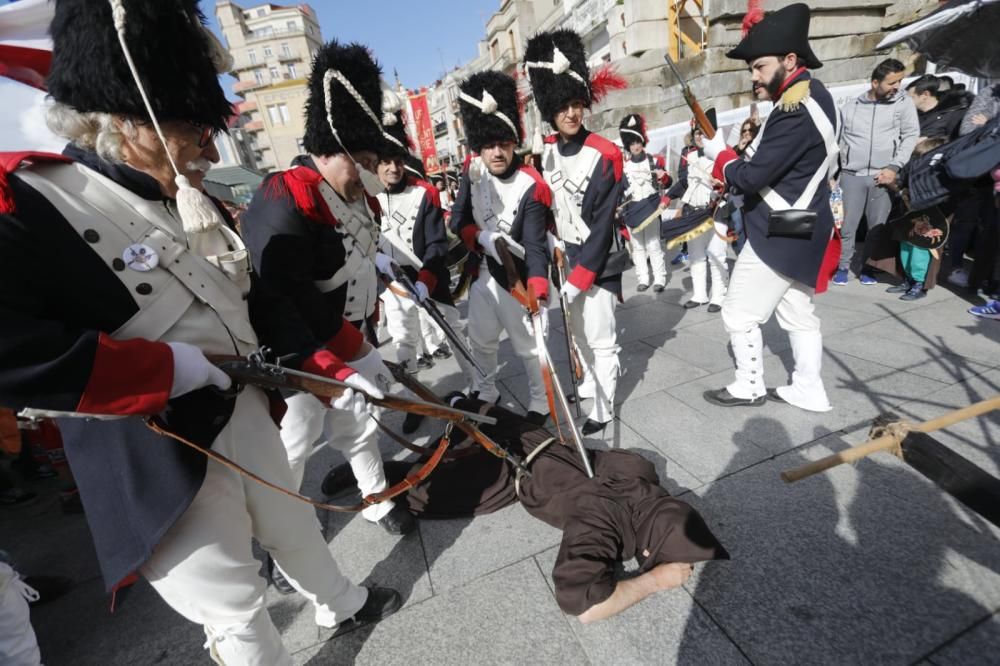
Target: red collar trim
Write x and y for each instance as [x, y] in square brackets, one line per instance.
[790, 80]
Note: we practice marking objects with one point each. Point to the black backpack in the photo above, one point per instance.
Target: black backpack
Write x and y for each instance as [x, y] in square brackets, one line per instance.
[950, 169]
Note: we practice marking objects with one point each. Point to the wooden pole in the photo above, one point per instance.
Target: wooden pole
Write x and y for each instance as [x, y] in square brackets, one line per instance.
[891, 441]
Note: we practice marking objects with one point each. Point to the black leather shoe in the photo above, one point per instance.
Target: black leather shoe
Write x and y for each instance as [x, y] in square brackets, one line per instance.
[641, 287]
[412, 422]
[339, 479]
[536, 418]
[49, 588]
[591, 427]
[398, 521]
[714, 307]
[900, 288]
[442, 352]
[281, 583]
[690, 305]
[425, 362]
[380, 604]
[772, 395]
[724, 398]
[658, 288]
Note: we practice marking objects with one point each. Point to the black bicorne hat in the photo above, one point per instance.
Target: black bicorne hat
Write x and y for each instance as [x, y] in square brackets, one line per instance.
[177, 59]
[489, 108]
[352, 78]
[556, 65]
[782, 32]
[632, 129]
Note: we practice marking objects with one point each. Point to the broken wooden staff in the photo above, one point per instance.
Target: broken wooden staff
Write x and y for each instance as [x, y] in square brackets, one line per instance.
[957, 476]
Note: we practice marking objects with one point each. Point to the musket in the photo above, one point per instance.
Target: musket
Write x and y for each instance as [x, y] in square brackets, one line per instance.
[692, 101]
[576, 367]
[431, 309]
[257, 371]
[474, 433]
[553, 389]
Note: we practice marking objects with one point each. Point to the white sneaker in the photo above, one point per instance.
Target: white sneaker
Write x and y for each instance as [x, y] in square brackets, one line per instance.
[959, 277]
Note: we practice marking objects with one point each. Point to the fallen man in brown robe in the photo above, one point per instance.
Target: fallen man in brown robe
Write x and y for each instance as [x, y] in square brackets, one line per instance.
[619, 514]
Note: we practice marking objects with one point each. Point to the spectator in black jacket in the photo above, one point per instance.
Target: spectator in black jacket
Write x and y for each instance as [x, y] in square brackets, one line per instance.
[939, 110]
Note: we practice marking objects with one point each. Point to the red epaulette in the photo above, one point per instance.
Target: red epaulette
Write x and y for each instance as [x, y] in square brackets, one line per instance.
[301, 184]
[11, 162]
[543, 194]
[607, 150]
[432, 192]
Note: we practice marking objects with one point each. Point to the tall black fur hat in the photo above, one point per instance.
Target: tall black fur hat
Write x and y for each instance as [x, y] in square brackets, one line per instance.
[357, 127]
[632, 129]
[561, 78]
[499, 119]
[397, 143]
[784, 31]
[177, 58]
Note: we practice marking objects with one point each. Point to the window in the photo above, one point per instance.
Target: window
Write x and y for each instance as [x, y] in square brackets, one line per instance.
[283, 110]
[513, 45]
[300, 144]
[272, 112]
[291, 25]
[285, 51]
[259, 77]
[252, 56]
[274, 73]
[291, 71]
[268, 52]
[261, 12]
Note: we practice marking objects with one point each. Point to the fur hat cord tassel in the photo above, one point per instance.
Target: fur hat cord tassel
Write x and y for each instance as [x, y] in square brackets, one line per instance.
[197, 212]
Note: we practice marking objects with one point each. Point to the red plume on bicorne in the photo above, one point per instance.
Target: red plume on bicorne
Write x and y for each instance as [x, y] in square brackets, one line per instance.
[604, 80]
[754, 15]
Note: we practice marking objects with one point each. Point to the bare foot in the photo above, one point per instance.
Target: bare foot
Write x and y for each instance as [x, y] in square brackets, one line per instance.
[671, 575]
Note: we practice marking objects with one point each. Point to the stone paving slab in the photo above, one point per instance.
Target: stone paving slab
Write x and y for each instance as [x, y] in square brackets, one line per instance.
[666, 628]
[507, 617]
[979, 643]
[837, 570]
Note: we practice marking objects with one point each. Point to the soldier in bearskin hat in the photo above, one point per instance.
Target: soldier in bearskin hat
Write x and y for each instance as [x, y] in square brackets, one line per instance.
[414, 236]
[644, 178]
[150, 278]
[787, 216]
[501, 197]
[584, 171]
[313, 235]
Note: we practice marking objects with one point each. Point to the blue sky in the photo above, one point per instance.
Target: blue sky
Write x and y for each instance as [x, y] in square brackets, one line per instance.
[420, 38]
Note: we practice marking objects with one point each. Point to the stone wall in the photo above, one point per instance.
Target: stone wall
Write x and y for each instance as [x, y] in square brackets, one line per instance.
[843, 34]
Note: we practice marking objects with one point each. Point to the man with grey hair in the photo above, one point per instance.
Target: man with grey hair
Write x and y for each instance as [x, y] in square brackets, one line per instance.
[143, 278]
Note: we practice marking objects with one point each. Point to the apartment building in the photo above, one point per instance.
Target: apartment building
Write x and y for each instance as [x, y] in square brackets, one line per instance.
[272, 47]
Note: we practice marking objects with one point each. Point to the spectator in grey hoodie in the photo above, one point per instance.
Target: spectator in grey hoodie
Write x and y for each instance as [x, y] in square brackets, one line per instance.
[878, 132]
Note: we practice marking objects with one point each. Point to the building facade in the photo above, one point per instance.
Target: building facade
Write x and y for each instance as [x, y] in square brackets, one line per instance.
[272, 48]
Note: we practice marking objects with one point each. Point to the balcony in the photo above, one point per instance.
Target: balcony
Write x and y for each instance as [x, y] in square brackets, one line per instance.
[289, 57]
[588, 15]
[254, 126]
[247, 86]
[272, 33]
[246, 106]
[505, 59]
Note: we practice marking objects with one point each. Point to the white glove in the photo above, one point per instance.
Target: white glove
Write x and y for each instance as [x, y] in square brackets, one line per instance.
[422, 293]
[383, 264]
[354, 401]
[553, 243]
[542, 319]
[193, 371]
[713, 147]
[373, 371]
[570, 291]
[488, 240]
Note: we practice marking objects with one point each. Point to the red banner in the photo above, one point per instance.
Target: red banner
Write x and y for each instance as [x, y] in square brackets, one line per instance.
[425, 131]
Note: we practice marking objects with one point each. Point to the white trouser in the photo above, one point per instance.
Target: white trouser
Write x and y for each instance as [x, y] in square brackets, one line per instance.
[707, 253]
[756, 291]
[402, 320]
[18, 645]
[308, 420]
[593, 316]
[647, 254]
[204, 567]
[491, 310]
[430, 333]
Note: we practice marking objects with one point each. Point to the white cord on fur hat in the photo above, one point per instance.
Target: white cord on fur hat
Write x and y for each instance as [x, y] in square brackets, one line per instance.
[488, 105]
[559, 65]
[197, 212]
[328, 76]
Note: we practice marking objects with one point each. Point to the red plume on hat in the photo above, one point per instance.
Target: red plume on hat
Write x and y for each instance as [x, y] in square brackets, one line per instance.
[754, 15]
[603, 80]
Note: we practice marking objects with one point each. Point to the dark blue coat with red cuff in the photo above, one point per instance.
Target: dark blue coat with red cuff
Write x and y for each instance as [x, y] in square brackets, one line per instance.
[790, 152]
[58, 303]
[600, 201]
[294, 241]
[528, 228]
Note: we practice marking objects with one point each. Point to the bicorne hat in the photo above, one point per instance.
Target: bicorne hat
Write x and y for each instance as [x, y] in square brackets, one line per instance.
[782, 32]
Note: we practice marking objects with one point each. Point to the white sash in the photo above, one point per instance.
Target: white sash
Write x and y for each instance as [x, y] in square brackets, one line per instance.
[398, 224]
[568, 187]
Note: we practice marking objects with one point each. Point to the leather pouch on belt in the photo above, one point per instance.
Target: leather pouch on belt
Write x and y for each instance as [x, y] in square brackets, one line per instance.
[791, 224]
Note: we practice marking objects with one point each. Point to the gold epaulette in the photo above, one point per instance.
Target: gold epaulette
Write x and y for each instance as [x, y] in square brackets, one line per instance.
[794, 96]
